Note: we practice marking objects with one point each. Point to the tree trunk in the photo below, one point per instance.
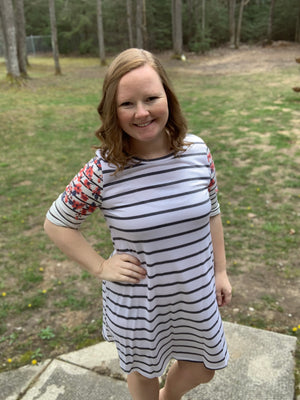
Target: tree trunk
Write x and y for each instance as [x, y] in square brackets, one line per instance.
[203, 20]
[100, 33]
[139, 24]
[297, 33]
[9, 34]
[2, 38]
[231, 7]
[129, 21]
[54, 37]
[191, 15]
[239, 25]
[177, 27]
[270, 22]
[144, 25]
[173, 21]
[21, 36]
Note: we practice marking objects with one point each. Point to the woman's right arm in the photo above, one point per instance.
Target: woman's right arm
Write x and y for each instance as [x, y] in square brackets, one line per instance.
[118, 268]
[81, 197]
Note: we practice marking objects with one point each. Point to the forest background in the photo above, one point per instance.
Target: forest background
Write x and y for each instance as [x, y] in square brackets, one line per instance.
[90, 27]
[77, 23]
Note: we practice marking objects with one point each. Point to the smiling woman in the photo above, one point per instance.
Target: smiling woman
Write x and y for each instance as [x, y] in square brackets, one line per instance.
[156, 188]
[143, 112]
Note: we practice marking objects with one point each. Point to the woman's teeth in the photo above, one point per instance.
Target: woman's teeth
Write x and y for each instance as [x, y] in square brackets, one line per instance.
[142, 125]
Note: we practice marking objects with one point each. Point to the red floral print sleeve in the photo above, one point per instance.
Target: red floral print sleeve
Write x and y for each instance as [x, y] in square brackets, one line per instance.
[212, 187]
[81, 197]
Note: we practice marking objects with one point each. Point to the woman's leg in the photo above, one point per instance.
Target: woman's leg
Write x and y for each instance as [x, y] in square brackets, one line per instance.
[182, 377]
[142, 388]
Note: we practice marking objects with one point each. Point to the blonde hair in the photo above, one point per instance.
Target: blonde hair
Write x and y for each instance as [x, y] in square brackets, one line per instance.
[114, 141]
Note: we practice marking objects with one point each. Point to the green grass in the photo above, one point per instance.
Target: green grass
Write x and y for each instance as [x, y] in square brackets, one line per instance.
[251, 132]
[251, 124]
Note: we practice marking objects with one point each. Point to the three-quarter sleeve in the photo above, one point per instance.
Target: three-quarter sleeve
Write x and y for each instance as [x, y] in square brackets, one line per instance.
[213, 187]
[81, 197]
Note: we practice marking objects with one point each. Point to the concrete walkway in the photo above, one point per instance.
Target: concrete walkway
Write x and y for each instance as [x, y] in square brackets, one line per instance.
[261, 367]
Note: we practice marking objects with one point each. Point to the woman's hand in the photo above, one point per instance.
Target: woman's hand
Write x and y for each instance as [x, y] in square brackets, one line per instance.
[121, 268]
[223, 288]
[118, 268]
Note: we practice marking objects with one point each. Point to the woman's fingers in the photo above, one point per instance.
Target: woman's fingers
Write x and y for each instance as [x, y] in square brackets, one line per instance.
[134, 271]
[128, 258]
[122, 268]
[131, 268]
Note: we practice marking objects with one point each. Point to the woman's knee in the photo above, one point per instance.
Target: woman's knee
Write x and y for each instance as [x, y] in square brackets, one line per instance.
[196, 371]
[139, 377]
[208, 375]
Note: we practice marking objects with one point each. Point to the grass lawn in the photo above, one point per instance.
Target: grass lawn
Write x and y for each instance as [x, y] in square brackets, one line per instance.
[251, 122]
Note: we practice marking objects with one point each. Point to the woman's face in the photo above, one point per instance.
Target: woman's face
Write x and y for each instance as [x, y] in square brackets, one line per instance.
[142, 106]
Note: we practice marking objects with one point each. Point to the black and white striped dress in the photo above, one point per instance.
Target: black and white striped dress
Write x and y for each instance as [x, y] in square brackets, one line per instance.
[158, 211]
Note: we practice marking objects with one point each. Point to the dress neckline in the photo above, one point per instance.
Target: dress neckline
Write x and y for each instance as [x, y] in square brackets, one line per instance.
[169, 155]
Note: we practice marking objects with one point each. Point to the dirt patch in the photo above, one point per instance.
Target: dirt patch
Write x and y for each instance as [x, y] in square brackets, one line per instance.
[245, 60]
[58, 272]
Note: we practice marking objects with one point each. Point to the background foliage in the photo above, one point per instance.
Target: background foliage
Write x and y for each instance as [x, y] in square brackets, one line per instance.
[77, 25]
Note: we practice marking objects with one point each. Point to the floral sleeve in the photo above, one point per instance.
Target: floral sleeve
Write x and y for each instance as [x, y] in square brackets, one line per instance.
[81, 197]
[213, 187]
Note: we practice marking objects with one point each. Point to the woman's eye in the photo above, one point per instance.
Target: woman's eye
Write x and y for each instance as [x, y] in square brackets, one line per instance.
[126, 104]
[152, 98]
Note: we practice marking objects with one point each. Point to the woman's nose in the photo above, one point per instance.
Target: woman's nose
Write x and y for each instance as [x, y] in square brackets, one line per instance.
[141, 110]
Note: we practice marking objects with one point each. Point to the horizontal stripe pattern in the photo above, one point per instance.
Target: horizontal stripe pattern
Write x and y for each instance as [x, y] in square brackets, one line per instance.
[158, 211]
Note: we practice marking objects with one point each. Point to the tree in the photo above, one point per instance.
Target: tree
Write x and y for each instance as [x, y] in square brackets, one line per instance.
[141, 24]
[21, 36]
[239, 24]
[297, 33]
[129, 21]
[192, 17]
[100, 33]
[203, 20]
[270, 22]
[144, 26]
[231, 9]
[159, 29]
[235, 28]
[177, 27]
[10, 39]
[54, 37]
[2, 40]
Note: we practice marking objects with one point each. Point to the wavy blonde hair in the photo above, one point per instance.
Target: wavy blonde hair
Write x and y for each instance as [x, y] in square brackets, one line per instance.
[114, 146]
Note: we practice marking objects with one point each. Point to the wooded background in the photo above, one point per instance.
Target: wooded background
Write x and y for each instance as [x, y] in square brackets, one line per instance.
[77, 23]
[91, 27]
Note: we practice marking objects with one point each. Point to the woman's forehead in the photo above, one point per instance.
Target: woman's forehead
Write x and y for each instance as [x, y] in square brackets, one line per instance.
[141, 78]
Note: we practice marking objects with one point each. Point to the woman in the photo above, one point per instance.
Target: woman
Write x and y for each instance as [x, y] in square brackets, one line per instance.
[156, 188]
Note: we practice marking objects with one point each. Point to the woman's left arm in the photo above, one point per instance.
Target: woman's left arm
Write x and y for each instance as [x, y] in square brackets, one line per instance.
[223, 287]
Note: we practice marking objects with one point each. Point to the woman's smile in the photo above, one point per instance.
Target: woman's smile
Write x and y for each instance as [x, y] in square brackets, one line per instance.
[142, 124]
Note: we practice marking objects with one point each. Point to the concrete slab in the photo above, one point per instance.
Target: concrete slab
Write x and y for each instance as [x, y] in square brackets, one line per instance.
[91, 357]
[12, 383]
[102, 358]
[63, 381]
[261, 367]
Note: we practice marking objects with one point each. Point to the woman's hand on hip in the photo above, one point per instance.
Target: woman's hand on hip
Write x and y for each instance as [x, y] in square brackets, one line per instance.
[122, 268]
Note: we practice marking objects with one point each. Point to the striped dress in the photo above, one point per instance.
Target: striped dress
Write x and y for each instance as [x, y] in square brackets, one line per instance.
[158, 211]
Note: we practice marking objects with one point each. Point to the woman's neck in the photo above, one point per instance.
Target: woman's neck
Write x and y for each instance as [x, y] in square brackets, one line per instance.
[150, 150]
